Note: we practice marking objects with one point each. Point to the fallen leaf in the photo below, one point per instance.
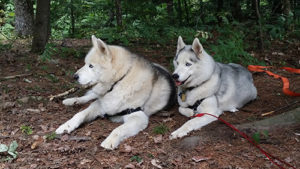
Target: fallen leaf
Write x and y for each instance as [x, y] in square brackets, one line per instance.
[200, 158]
[154, 163]
[130, 166]
[84, 161]
[158, 139]
[35, 144]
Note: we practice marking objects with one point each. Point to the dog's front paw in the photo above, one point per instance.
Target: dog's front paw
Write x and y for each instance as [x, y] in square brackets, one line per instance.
[186, 111]
[111, 142]
[66, 127]
[178, 134]
[70, 101]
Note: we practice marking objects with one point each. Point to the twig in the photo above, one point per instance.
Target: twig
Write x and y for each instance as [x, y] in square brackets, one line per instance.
[63, 94]
[79, 138]
[95, 158]
[15, 76]
[284, 107]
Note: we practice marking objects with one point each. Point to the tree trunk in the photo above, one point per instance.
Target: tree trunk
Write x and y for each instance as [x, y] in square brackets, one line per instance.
[220, 5]
[260, 40]
[72, 18]
[236, 10]
[170, 6]
[24, 17]
[118, 13]
[41, 27]
[186, 7]
[179, 12]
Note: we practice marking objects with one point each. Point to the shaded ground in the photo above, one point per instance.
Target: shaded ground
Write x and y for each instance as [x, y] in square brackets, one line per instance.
[25, 102]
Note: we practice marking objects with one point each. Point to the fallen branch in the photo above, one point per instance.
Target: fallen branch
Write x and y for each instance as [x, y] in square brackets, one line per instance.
[15, 76]
[63, 94]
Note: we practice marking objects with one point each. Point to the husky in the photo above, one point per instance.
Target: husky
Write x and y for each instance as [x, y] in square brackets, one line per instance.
[125, 87]
[206, 86]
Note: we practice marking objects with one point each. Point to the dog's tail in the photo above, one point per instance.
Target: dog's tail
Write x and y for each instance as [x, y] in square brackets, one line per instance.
[172, 97]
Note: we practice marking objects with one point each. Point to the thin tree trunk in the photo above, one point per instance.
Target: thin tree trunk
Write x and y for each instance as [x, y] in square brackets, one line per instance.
[170, 6]
[41, 26]
[236, 10]
[187, 12]
[260, 41]
[72, 18]
[24, 17]
[179, 12]
[118, 13]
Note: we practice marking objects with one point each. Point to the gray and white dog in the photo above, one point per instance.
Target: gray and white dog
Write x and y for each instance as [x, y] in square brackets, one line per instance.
[206, 86]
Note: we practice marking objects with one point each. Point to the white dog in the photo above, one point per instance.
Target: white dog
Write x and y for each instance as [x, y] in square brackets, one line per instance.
[125, 86]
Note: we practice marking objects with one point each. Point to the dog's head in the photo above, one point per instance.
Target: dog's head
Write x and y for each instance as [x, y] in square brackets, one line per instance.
[98, 65]
[192, 64]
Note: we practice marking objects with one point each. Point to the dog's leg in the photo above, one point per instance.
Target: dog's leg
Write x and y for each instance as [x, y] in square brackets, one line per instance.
[80, 100]
[209, 105]
[133, 124]
[86, 115]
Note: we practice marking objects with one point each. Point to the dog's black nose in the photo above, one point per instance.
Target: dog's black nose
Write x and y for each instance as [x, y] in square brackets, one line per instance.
[76, 77]
[175, 76]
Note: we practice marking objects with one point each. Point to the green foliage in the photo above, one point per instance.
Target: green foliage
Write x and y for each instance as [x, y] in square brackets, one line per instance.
[136, 158]
[258, 136]
[52, 78]
[160, 129]
[26, 130]
[230, 47]
[51, 136]
[7, 18]
[50, 50]
[11, 150]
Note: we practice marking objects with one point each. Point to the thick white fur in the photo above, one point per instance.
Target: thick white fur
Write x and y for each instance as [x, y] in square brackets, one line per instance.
[140, 87]
[222, 88]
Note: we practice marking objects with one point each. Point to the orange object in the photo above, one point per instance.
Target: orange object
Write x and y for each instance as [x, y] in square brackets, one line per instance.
[286, 84]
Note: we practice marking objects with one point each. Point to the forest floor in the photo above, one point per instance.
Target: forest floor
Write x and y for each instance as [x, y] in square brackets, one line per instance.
[25, 106]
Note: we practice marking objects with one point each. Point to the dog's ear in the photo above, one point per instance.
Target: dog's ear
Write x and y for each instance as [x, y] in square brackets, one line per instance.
[180, 44]
[197, 47]
[100, 45]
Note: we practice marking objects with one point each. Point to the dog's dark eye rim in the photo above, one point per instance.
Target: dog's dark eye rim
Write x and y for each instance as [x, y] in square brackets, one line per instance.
[188, 64]
[91, 66]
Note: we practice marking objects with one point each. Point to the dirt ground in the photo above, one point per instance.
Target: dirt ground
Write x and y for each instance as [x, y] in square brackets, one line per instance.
[25, 102]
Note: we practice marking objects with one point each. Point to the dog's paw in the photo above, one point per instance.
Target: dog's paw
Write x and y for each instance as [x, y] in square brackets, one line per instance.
[64, 128]
[111, 142]
[70, 101]
[186, 111]
[178, 134]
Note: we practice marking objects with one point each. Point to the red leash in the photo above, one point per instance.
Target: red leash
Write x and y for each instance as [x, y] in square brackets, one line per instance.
[253, 142]
[286, 84]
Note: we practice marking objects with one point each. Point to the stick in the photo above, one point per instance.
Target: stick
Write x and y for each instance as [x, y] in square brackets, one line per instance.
[15, 76]
[63, 94]
[284, 107]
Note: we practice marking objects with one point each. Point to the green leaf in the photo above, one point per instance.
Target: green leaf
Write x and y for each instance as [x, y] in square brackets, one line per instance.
[11, 14]
[13, 146]
[13, 154]
[3, 148]
[256, 137]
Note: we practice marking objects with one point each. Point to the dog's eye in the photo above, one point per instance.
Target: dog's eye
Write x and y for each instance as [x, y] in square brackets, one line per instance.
[188, 64]
[91, 66]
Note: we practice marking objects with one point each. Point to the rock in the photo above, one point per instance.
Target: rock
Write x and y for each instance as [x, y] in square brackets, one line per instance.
[189, 143]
